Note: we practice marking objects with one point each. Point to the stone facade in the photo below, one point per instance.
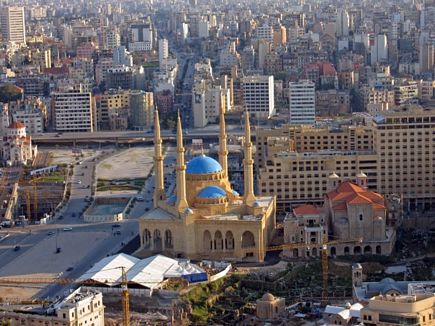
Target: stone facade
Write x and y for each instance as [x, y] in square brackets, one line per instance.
[352, 219]
[206, 218]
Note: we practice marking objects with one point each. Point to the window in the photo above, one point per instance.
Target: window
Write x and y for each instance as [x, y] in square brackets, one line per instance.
[360, 217]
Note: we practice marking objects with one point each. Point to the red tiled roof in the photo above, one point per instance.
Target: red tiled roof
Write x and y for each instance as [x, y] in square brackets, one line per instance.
[56, 70]
[348, 193]
[328, 69]
[306, 210]
[339, 207]
[16, 125]
[378, 206]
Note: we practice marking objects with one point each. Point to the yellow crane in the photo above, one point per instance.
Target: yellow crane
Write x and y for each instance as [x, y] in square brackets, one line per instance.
[67, 281]
[324, 257]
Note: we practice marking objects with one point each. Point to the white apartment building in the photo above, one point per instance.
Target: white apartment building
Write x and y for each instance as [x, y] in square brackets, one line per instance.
[258, 95]
[302, 99]
[73, 111]
[342, 23]
[141, 38]
[32, 118]
[264, 32]
[206, 103]
[82, 307]
[379, 51]
[12, 24]
[163, 51]
[112, 39]
[203, 28]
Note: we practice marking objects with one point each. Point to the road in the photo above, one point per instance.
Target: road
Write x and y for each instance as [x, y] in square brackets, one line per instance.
[208, 131]
[81, 244]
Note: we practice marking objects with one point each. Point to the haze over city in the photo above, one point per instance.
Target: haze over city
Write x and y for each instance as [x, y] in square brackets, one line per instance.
[193, 162]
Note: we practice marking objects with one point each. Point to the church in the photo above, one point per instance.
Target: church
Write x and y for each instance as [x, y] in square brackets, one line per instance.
[205, 218]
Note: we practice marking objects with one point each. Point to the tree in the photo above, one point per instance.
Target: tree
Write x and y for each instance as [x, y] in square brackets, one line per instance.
[9, 92]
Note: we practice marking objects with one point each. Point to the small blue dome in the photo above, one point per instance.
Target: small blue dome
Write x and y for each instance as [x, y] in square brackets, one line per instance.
[203, 165]
[212, 192]
[172, 199]
[235, 193]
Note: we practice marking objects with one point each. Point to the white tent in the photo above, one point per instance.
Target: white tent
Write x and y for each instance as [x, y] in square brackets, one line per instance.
[108, 270]
[148, 272]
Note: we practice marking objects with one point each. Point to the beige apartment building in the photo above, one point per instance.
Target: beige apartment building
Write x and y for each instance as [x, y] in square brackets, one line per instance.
[82, 307]
[395, 150]
[391, 310]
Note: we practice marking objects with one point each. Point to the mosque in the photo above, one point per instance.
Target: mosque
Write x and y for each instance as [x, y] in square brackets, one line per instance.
[206, 218]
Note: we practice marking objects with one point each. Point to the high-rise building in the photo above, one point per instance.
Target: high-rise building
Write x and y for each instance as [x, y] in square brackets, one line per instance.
[141, 38]
[302, 99]
[258, 95]
[203, 28]
[163, 51]
[395, 150]
[73, 111]
[342, 23]
[112, 39]
[379, 51]
[12, 24]
[142, 109]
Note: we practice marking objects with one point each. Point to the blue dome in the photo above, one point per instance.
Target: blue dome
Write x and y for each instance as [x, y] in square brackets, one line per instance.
[203, 165]
[172, 199]
[212, 192]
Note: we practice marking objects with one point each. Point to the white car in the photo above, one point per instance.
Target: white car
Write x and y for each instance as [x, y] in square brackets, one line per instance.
[67, 229]
[139, 198]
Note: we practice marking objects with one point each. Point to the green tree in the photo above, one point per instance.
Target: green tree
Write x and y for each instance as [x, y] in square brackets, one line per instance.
[9, 92]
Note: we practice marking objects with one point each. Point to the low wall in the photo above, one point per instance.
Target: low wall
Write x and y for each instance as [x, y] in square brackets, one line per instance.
[89, 217]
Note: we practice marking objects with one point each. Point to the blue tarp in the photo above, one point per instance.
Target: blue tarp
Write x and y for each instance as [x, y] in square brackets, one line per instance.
[198, 277]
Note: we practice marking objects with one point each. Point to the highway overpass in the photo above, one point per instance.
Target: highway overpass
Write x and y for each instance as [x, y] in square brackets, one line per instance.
[121, 137]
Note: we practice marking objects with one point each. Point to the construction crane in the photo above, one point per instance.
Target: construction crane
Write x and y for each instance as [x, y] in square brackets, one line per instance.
[324, 257]
[68, 281]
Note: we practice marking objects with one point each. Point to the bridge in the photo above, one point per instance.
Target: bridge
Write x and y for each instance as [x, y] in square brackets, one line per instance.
[124, 137]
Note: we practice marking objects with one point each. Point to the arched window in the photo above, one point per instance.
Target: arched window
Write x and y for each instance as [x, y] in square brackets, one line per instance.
[218, 241]
[207, 242]
[333, 251]
[346, 250]
[378, 250]
[146, 238]
[367, 250]
[357, 250]
[248, 239]
[157, 240]
[229, 240]
[168, 239]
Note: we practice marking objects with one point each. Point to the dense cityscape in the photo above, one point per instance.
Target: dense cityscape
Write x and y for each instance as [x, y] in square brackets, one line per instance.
[192, 162]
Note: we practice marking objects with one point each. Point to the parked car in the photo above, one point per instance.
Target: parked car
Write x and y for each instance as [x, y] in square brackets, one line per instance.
[67, 229]
[16, 248]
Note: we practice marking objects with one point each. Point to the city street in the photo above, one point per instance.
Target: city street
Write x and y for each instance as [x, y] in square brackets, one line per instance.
[81, 244]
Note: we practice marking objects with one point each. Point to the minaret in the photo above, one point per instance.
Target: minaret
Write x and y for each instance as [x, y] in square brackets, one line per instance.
[181, 203]
[159, 191]
[223, 151]
[248, 165]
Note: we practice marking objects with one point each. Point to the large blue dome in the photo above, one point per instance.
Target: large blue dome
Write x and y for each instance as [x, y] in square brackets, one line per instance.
[211, 192]
[203, 165]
